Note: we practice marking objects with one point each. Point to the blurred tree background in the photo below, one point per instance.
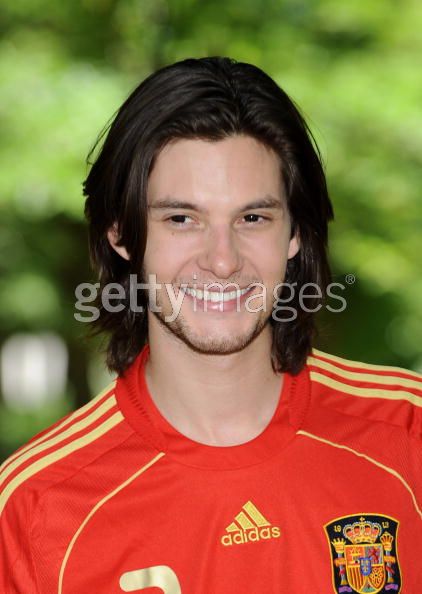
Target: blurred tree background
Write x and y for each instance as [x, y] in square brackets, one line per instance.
[65, 67]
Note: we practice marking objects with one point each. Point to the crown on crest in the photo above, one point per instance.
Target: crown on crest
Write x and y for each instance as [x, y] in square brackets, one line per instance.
[339, 544]
[362, 531]
[387, 541]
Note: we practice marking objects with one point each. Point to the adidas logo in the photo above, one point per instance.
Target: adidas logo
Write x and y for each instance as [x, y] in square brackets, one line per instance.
[249, 526]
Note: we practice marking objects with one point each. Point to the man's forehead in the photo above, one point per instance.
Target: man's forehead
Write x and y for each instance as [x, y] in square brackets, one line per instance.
[234, 174]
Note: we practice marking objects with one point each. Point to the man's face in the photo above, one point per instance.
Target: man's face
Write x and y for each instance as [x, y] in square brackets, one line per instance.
[217, 213]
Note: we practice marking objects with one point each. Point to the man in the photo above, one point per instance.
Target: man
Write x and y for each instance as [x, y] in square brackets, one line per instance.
[228, 457]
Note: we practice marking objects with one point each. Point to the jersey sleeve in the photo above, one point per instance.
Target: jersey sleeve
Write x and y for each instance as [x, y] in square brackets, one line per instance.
[17, 575]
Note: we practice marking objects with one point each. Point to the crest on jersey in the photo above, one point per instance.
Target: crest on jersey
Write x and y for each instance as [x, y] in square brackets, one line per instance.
[364, 554]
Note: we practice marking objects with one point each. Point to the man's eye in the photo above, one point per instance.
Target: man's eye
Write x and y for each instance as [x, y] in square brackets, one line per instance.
[179, 219]
[254, 218]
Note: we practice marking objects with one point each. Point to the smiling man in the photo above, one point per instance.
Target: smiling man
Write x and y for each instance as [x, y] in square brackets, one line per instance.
[233, 230]
[229, 455]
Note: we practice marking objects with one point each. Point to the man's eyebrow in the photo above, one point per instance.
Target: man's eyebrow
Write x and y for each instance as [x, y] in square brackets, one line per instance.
[174, 203]
[265, 202]
[169, 203]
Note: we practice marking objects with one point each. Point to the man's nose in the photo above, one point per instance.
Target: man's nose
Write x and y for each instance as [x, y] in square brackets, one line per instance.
[220, 254]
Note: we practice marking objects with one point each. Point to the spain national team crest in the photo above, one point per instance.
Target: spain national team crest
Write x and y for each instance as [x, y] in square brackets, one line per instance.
[364, 554]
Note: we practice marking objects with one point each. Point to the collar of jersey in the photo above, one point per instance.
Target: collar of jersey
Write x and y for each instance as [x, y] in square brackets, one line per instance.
[142, 414]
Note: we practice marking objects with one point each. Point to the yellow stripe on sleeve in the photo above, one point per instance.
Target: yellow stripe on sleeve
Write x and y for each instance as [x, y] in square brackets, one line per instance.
[366, 392]
[387, 380]
[75, 415]
[72, 430]
[57, 455]
[369, 366]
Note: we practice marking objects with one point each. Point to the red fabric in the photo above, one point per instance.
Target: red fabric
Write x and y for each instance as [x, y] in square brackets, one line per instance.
[143, 508]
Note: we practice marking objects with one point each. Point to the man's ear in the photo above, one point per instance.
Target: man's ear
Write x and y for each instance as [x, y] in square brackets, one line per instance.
[113, 238]
[294, 245]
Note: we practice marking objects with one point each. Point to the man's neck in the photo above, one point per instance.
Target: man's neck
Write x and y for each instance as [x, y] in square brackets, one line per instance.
[219, 400]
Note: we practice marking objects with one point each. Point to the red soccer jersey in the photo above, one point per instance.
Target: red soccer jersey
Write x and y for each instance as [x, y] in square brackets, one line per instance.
[326, 499]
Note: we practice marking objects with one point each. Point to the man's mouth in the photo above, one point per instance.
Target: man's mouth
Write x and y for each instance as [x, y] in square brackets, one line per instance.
[215, 296]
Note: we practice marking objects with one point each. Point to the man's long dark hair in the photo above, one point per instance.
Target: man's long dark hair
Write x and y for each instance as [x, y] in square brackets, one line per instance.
[208, 98]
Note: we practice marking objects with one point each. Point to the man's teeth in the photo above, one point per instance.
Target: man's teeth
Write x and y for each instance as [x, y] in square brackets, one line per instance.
[214, 296]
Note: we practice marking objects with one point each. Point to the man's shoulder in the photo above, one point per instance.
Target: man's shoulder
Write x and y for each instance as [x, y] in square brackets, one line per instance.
[382, 393]
[64, 448]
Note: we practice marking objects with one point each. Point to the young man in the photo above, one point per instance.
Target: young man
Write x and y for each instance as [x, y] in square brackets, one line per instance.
[228, 457]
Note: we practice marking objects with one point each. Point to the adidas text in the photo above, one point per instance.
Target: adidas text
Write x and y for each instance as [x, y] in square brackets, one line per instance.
[252, 535]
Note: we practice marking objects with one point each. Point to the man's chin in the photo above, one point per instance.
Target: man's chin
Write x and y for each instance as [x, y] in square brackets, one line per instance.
[206, 343]
[214, 346]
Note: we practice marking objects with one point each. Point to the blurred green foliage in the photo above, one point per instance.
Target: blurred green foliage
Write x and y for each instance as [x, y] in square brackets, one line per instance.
[353, 68]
